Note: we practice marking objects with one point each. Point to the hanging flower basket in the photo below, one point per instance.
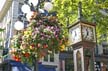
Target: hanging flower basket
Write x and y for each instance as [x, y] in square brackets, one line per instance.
[43, 35]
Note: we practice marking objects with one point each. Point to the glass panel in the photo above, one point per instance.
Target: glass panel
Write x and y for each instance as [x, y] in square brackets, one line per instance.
[79, 65]
[46, 58]
[52, 57]
[19, 8]
[69, 64]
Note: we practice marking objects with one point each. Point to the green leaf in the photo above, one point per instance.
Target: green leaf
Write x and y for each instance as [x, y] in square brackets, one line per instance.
[1, 47]
[1, 30]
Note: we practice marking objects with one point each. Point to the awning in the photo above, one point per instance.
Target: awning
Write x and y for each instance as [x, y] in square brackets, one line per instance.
[19, 65]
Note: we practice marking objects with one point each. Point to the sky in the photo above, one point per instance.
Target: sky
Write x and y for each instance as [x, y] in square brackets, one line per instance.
[2, 3]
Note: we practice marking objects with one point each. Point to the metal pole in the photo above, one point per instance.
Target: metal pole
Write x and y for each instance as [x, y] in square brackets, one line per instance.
[67, 21]
[79, 11]
[35, 63]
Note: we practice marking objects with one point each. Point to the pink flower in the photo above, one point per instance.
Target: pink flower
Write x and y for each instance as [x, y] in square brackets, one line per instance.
[38, 45]
[45, 46]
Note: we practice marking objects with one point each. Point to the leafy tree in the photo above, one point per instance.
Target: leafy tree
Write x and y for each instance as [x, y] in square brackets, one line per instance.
[91, 10]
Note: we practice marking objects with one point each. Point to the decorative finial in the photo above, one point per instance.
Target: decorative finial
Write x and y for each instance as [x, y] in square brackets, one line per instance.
[93, 18]
[79, 11]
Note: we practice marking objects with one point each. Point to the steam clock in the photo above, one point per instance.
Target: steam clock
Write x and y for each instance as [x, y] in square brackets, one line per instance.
[83, 41]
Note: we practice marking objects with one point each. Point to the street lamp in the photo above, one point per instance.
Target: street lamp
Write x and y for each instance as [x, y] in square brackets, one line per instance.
[19, 25]
[31, 9]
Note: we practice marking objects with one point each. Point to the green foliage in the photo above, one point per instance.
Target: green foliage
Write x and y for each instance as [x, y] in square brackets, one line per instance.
[1, 47]
[1, 30]
[90, 11]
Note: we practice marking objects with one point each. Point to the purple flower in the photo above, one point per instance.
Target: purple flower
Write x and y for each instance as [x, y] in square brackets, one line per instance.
[42, 38]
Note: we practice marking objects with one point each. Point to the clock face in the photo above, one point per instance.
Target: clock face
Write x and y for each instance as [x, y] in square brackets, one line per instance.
[87, 33]
[75, 34]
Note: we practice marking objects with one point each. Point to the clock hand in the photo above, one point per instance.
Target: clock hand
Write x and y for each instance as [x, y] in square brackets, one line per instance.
[87, 33]
[90, 34]
[75, 33]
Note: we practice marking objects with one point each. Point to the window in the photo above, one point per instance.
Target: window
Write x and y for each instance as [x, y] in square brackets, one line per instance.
[69, 64]
[78, 57]
[49, 57]
[46, 58]
[19, 8]
[52, 57]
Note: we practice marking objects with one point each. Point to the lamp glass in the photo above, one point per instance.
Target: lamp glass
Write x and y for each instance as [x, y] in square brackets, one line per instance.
[19, 25]
[25, 8]
[34, 2]
[29, 15]
[48, 6]
[41, 11]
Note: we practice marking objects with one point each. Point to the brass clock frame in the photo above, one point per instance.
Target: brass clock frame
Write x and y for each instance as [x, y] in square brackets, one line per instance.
[82, 35]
